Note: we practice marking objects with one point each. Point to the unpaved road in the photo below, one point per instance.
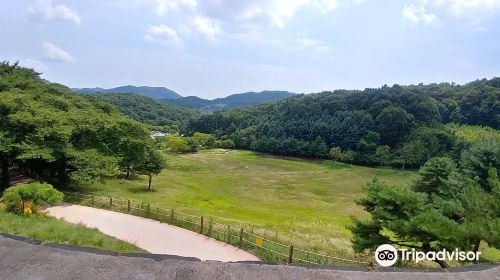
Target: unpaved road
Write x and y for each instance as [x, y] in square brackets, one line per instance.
[22, 260]
[151, 235]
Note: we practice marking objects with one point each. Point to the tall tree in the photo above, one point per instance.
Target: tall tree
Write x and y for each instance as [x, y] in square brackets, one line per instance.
[152, 164]
[382, 154]
[410, 153]
[336, 154]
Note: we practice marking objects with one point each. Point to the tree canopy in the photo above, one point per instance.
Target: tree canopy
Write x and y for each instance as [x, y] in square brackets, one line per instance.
[56, 135]
[449, 206]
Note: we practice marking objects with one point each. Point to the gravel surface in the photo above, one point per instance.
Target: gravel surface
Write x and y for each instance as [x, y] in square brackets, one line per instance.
[30, 260]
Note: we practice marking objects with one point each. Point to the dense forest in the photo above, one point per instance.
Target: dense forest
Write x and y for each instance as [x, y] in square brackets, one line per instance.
[398, 125]
[164, 116]
[49, 133]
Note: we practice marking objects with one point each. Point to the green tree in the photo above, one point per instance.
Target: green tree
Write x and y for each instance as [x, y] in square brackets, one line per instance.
[442, 210]
[175, 143]
[207, 141]
[410, 153]
[55, 135]
[393, 123]
[152, 164]
[336, 154]
[6, 150]
[91, 166]
[349, 156]
[476, 161]
[318, 147]
[382, 154]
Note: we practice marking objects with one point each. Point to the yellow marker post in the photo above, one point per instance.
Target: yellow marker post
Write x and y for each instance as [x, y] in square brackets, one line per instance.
[258, 241]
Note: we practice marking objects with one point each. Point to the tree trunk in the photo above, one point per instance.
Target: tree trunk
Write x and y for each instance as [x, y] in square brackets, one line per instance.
[476, 246]
[403, 167]
[149, 185]
[443, 263]
[5, 174]
[128, 173]
[62, 173]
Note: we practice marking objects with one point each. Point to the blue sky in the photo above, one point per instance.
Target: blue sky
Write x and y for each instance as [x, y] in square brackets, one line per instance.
[213, 48]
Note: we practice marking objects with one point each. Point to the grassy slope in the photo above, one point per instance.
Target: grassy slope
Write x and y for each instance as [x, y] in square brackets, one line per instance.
[58, 231]
[303, 202]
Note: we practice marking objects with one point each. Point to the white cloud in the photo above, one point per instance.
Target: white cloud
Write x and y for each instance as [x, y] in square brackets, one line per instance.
[417, 14]
[208, 18]
[163, 6]
[163, 34]
[255, 12]
[207, 27]
[468, 7]
[55, 53]
[44, 11]
[475, 10]
[313, 46]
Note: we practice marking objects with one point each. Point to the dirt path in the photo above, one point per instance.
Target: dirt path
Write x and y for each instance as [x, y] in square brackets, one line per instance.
[153, 236]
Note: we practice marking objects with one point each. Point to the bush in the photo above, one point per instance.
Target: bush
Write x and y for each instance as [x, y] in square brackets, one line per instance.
[26, 198]
[227, 144]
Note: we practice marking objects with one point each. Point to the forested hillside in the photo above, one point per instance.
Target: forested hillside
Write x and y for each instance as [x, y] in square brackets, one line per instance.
[398, 125]
[152, 92]
[239, 100]
[168, 117]
[49, 133]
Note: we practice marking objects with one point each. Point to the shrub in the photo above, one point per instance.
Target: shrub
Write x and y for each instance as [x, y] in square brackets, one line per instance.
[227, 144]
[26, 198]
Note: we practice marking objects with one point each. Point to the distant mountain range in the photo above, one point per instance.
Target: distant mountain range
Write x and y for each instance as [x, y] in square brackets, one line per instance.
[153, 92]
[166, 95]
[232, 101]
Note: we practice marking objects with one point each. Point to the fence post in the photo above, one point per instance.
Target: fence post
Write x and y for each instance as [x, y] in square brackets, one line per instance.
[241, 238]
[149, 209]
[92, 199]
[128, 205]
[110, 202]
[201, 225]
[172, 216]
[290, 255]
[22, 201]
[228, 232]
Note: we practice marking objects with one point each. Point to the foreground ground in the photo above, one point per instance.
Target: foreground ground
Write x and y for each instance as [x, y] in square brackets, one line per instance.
[305, 203]
[57, 231]
[151, 235]
[21, 260]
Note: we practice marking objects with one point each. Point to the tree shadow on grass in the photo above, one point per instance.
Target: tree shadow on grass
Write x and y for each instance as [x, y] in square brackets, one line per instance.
[185, 167]
[132, 177]
[141, 190]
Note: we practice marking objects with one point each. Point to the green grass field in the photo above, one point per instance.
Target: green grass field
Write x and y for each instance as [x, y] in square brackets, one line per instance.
[52, 230]
[305, 203]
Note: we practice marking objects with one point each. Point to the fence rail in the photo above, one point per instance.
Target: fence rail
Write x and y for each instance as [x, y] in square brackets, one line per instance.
[267, 250]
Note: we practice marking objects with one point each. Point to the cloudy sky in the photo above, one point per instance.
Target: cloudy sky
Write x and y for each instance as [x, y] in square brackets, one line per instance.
[213, 48]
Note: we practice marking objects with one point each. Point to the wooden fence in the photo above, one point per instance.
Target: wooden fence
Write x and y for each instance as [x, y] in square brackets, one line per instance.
[267, 250]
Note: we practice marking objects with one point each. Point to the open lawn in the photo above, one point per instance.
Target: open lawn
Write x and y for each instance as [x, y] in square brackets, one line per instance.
[52, 230]
[305, 203]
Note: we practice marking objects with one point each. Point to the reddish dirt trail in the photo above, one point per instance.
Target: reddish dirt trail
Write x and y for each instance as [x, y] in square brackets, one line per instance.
[151, 235]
